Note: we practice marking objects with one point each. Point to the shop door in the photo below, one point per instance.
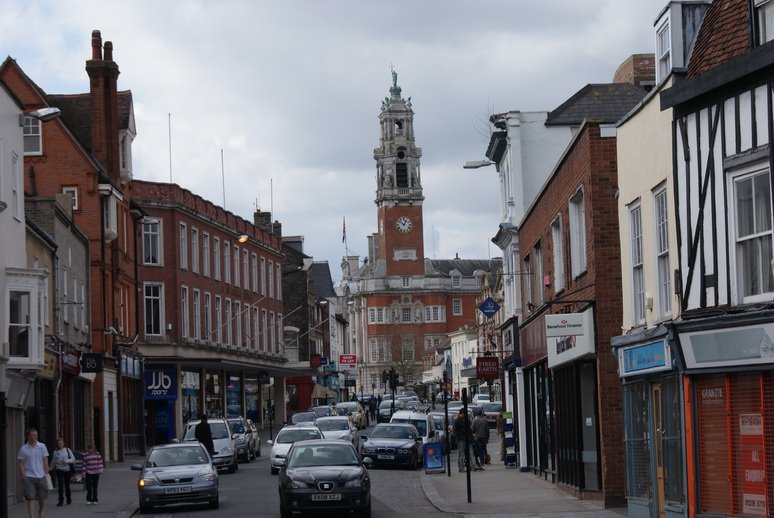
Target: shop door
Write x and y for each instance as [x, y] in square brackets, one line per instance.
[658, 429]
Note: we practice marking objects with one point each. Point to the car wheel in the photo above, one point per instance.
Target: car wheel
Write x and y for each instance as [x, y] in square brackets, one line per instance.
[285, 513]
[248, 458]
[233, 467]
[366, 511]
[215, 504]
[258, 450]
[145, 509]
[273, 470]
[414, 461]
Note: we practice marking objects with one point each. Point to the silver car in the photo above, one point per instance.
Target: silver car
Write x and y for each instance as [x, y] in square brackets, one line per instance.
[285, 439]
[337, 427]
[179, 473]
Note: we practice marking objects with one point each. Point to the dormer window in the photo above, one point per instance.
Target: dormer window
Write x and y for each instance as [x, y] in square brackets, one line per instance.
[764, 17]
[663, 51]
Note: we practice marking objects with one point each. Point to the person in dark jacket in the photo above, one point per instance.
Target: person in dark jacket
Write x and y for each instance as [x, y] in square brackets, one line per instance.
[462, 432]
[480, 439]
[204, 434]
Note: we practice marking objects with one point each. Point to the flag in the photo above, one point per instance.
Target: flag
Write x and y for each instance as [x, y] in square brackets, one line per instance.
[344, 230]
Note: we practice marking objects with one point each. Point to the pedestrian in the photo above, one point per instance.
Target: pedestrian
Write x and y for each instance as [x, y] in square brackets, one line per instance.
[372, 407]
[92, 467]
[63, 460]
[33, 468]
[462, 432]
[432, 396]
[480, 439]
[203, 434]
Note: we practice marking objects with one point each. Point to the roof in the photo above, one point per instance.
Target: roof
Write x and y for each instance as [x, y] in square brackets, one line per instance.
[605, 103]
[76, 113]
[724, 34]
[466, 267]
[322, 282]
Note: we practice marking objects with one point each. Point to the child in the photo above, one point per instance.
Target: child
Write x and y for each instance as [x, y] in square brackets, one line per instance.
[63, 461]
[92, 467]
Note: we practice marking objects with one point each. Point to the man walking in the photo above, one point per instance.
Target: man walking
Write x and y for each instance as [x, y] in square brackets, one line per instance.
[480, 438]
[33, 467]
[461, 430]
[203, 434]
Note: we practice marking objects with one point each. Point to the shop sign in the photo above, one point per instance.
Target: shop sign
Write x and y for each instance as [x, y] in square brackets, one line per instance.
[533, 341]
[161, 383]
[753, 463]
[644, 358]
[329, 367]
[728, 347]
[71, 362]
[489, 307]
[49, 369]
[323, 360]
[487, 368]
[569, 336]
[91, 362]
[314, 361]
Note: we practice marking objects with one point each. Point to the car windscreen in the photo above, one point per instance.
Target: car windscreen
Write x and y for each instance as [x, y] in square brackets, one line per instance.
[303, 417]
[219, 431]
[353, 407]
[323, 455]
[492, 407]
[420, 425]
[392, 432]
[327, 425]
[180, 456]
[236, 426]
[291, 436]
[322, 411]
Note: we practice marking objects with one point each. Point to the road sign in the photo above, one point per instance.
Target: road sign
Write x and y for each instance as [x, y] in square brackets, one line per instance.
[348, 359]
[489, 307]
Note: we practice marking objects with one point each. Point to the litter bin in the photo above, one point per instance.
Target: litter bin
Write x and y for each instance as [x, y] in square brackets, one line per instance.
[434, 460]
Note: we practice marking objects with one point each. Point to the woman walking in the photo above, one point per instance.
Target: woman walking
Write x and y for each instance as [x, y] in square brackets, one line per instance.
[92, 467]
[62, 462]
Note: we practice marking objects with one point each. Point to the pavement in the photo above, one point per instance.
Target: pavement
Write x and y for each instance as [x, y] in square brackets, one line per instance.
[496, 492]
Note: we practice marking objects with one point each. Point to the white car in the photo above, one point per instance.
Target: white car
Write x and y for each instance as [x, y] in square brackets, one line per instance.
[285, 439]
[337, 427]
[423, 422]
[480, 398]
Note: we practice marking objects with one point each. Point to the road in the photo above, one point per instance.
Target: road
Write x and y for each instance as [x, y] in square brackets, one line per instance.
[252, 491]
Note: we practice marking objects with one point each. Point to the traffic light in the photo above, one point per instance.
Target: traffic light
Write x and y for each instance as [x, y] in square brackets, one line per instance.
[393, 378]
[384, 377]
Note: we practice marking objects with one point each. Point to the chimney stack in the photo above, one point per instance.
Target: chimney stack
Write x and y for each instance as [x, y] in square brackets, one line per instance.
[103, 79]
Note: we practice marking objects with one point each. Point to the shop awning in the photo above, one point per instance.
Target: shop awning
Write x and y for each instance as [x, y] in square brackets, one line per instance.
[321, 392]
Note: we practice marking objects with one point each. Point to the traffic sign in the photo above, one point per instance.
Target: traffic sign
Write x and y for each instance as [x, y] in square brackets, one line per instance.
[489, 307]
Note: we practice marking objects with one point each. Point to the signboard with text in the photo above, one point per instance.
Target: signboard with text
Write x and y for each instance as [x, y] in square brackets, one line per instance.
[754, 464]
[487, 368]
[161, 383]
[348, 363]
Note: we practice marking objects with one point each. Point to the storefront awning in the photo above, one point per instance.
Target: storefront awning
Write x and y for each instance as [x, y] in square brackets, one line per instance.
[321, 392]
[231, 365]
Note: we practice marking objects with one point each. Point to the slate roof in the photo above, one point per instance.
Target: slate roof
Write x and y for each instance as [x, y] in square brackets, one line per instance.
[76, 113]
[322, 282]
[605, 103]
[465, 266]
[724, 34]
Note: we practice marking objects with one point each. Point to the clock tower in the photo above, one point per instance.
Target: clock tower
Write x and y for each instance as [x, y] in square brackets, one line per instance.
[400, 240]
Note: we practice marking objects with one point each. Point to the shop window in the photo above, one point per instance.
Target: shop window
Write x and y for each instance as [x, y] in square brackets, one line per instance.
[151, 241]
[636, 440]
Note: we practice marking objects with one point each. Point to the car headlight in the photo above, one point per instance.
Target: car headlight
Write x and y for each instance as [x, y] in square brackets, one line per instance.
[240, 440]
[357, 482]
[403, 451]
[147, 482]
[297, 484]
[226, 451]
[208, 476]
[369, 450]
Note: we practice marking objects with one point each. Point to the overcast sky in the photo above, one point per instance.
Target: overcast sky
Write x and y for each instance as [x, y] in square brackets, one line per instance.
[290, 91]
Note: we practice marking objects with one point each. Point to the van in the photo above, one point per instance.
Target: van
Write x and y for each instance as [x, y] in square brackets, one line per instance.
[424, 423]
[222, 439]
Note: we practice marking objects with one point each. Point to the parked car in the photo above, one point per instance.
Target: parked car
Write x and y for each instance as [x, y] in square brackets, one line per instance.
[179, 473]
[285, 439]
[337, 427]
[491, 411]
[422, 422]
[325, 475]
[358, 414]
[448, 441]
[385, 410]
[303, 417]
[393, 444]
[246, 443]
[480, 398]
[323, 411]
[225, 451]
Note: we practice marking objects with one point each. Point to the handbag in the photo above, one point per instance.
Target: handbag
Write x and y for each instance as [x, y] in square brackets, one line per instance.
[49, 482]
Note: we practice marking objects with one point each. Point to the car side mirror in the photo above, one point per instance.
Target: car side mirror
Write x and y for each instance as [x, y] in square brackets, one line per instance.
[367, 461]
[175, 440]
[269, 442]
[136, 467]
[363, 438]
[432, 433]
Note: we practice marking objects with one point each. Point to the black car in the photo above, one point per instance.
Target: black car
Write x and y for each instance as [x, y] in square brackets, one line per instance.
[385, 410]
[393, 444]
[324, 474]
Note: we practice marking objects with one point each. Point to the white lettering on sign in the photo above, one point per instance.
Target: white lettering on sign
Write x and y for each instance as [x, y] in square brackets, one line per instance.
[750, 424]
[754, 475]
[712, 395]
[159, 380]
[754, 504]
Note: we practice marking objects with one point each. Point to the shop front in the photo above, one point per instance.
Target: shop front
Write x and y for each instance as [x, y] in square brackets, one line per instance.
[729, 389]
[653, 424]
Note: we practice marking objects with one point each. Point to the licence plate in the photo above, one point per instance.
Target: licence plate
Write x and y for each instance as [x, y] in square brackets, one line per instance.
[385, 457]
[177, 490]
[326, 497]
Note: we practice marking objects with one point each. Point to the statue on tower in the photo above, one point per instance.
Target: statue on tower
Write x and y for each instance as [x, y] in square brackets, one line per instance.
[394, 78]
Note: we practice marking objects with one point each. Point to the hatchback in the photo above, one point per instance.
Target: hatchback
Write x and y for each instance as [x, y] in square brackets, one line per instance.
[180, 473]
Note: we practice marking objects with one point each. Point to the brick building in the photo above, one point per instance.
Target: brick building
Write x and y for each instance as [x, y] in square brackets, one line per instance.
[211, 285]
[87, 153]
[401, 303]
[571, 291]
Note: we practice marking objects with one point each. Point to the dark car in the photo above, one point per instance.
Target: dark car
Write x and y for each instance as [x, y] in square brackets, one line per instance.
[324, 475]
[491, 411]
[180, 473]
[385, 410]
[393, 444]
[303, 417]
[323, 411]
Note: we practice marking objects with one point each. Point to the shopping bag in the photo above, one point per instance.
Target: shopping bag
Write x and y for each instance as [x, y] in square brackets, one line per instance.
[49, 482]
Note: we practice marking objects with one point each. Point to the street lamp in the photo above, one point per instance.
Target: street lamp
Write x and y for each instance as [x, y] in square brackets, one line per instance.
[475, 164]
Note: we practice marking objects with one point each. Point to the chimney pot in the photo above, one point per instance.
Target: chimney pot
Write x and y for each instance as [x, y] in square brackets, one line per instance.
[96, 45]
[108, 51]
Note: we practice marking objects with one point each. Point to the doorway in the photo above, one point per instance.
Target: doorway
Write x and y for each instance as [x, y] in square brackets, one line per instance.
[658, 430]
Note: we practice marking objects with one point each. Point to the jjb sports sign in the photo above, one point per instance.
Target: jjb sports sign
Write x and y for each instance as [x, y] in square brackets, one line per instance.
[161, 383]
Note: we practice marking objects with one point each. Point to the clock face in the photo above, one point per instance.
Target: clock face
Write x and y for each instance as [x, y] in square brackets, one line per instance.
[403, 224]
